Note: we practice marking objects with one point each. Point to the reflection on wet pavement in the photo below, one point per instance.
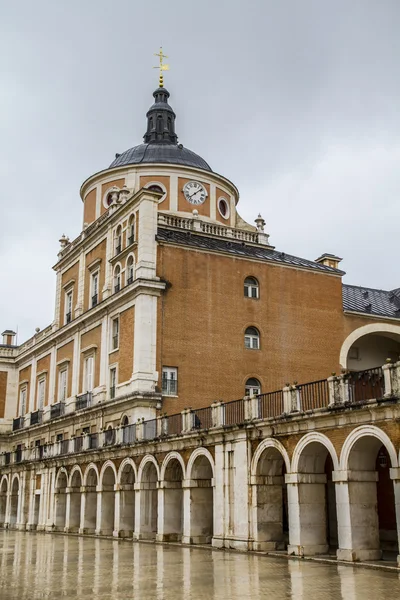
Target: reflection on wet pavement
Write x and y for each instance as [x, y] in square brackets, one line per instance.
[36, 565]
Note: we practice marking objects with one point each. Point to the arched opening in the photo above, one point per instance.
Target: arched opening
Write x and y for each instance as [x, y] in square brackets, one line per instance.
[131, 230]
[372, 350]
[75, 502]
[127, 501]
[3, 501]
[251, 287]
[252, 387]
[14, 498]
[270, 502]
[90, 502]
[117, 279]
[130, 270]
[118, 240]
[124, 421]
[372, 501]
[252, 338]
[173, 502]
[201, 502]
[60, 499]
[148, 502]
[107, 515]
[317, 527]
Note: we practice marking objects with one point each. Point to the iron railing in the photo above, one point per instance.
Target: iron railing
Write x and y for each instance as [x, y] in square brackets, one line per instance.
[234, 412]
[118, 249]
[83, 401]
[129, 434]
[94, 300]
[366, 385]
[174, 424]
[18, 454]
[314, 395]
[270, 405]
[18, 423]
[109, 437]
[36, 417]
[202, 418]
[150, 429]
[93, 441]
[131, 239]
[68, 317]
[56, 410]
[78, 444]
[64, 446]
[117, 287]
[129, 280]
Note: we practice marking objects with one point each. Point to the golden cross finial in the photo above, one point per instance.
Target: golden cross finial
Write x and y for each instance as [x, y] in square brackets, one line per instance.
[161, 66]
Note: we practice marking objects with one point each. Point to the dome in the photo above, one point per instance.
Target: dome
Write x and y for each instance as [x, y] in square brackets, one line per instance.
[160, 140]
[173, 154]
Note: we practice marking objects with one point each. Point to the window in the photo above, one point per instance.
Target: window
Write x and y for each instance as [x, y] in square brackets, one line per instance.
[117, 279]
[115, 334]
[251, 287]
[113, 382]
[252, 338]
[68, 307]
[22, 401]
[95, 288]
[125, 421]
[130, 268]
[62, 385]
[223, 208]
[253, 387]
[118, 240]
[88, 374]
[131, 230]
[41, 390]
[170, 381]
[156, 186]
[59, 437]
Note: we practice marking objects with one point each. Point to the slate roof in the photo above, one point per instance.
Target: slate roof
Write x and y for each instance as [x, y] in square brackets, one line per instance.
[237, 248]
[370, 301]
[172, 154]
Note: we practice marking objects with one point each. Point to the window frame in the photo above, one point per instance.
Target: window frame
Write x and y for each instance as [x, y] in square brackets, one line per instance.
[114, 331]
[23, 391]
[131, 230]
[88, 387]
[69, 294]
[129, 265]
[169, 390]
[252, 340]
[251, 388]
[249, 288]
[94, 277]
[118, 240]
[41, 397]
[63, 371]
[117, 277]
[113, 381]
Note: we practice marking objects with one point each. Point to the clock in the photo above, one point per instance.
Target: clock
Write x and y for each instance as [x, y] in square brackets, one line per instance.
[195, 192]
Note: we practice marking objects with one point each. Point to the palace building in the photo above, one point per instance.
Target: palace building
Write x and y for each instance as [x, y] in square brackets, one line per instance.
[117, 417]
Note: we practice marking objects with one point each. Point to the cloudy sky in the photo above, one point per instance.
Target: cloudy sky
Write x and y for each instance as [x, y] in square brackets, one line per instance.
[295, 101]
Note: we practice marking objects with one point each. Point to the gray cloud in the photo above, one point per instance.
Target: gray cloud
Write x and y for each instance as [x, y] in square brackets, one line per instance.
[296, 102]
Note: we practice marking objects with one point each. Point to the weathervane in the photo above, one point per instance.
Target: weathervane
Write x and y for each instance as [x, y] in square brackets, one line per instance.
[161, 66]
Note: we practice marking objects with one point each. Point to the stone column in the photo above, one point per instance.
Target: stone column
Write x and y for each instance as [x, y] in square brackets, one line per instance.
[117, 506]
[307, 513]
[358, 525]
[219, 494]
[67, 509]
[267, 503]
[98, 509]
[395, 476]
[83, 508]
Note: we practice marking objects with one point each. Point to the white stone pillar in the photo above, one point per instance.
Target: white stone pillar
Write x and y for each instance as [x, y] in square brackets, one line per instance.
[117, 510]
[219, 498]
[238, 491]
[395, 477]
[144, 376]
[67, 509]
[76, 365]
[387, 377]
[103, 379]
[98, 510]
[161, 512]
[80, 286]
[32, 389]
[108, 276]
[52, 376]
[173, 193]
[147, 247]
[83, 509]
[137, 531]
[57, 319]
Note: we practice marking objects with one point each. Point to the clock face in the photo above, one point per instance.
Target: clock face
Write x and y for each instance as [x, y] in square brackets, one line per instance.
[194, 192]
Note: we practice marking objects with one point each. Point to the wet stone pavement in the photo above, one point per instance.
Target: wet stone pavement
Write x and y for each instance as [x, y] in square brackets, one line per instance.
[37, 565]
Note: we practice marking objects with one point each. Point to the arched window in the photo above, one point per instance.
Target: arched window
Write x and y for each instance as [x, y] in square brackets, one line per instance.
[125, 421]
[118, 240]
[130, 270]
[253, 387]
[251, 287]
[131, 230]
[252, 338]
[117, 279]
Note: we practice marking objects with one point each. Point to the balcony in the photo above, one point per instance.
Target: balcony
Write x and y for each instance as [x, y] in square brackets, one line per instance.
[109, 437]
[18, 423]
[83, 401]
[117, 287]
[78, 444]
[129, 280]
[56, 410]
[170, 387]
[68, 317]
[36, 417]
[94, 300]
[118, 249]
[131, 239]
[112, 392]
[18, 454]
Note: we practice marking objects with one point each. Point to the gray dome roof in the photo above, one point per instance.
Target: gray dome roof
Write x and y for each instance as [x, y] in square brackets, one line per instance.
[173, 154]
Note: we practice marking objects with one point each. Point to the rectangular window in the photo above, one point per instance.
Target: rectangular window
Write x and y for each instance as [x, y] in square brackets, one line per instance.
[94, 288]
[62, 385]
[88, 374]
[115, 333]
[22, 401]
[113, 382]
[41, 391]
[68, 307]
[170, 381]
[59, 437]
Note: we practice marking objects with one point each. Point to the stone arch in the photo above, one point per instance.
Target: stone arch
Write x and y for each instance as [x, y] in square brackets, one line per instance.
[60, 499]
[311, 486]
[127, 477]
[363, 432]
[3, 498]
[269, 507]
[91, 480]
[171, 456]
[200, 475]
[148, 479]
[312, 438]
[172, 476]
[148, 458]
[367, 455]
[14, 499]
[373, 328]
[74, 514]
[195, 454]
[107, 483]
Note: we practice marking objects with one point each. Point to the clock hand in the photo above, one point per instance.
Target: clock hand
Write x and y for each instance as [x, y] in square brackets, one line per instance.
[194, 193]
